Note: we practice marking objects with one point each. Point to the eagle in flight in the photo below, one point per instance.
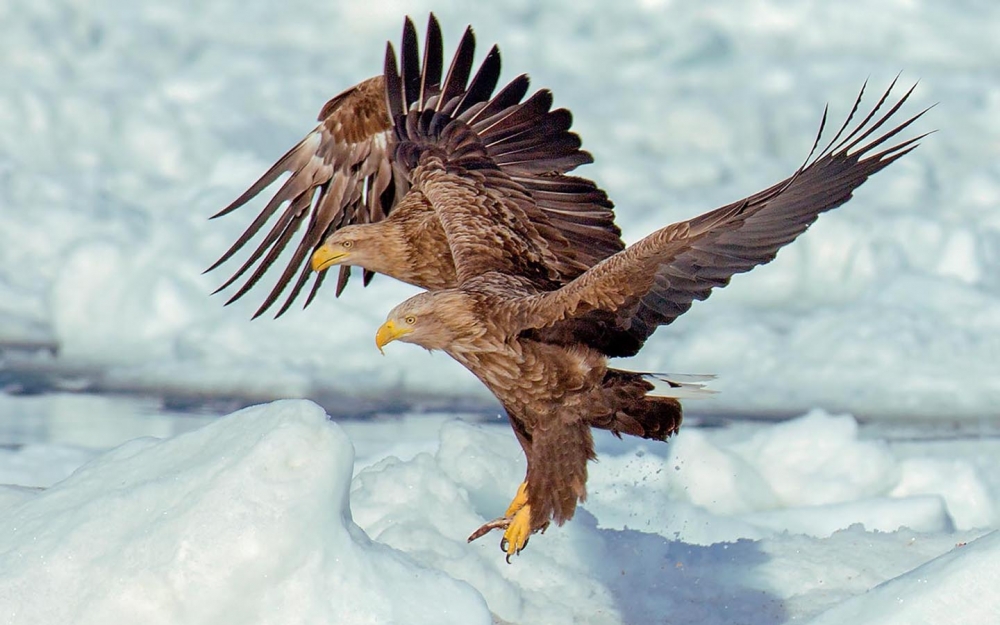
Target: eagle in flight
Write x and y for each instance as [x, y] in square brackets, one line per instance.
[440, 183]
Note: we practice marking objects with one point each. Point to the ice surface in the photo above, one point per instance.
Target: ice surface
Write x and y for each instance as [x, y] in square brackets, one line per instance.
[124, 125]
[246, 520]
[243, 521]
[957, 587]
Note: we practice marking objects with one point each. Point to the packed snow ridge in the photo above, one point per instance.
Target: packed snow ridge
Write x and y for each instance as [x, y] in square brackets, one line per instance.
[244, 521]
[255, 518]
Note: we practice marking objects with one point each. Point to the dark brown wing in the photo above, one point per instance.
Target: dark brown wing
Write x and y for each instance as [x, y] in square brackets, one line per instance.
[486, 224]
[656, 280]
[342, 173]
[490, 221]
[533, 145]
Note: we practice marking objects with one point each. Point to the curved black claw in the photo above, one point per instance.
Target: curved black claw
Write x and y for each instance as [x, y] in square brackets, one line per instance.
[504, 543]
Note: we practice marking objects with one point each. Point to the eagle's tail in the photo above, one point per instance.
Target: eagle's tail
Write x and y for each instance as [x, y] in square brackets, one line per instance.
[646, 404]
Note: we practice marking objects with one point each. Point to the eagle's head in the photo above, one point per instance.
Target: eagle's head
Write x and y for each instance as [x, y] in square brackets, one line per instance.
[433, 320]
[361, 245]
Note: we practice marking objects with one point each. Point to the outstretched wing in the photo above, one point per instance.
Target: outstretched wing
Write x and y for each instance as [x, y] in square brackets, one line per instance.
[343, 172]
[340, 174]
[656, 280]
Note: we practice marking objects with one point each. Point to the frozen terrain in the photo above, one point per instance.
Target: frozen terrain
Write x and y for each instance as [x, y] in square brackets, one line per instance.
[255, 518]
[126, 498]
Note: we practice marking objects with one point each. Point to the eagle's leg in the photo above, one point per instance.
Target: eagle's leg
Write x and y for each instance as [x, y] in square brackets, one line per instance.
[519, 501]
[556, 481]
[521, 498]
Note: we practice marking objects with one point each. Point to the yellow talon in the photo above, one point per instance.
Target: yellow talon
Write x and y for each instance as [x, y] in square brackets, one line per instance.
[516, 536]
[516, 523]
[520, 499]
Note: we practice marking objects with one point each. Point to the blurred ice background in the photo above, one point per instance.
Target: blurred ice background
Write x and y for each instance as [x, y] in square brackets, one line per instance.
[124, 125]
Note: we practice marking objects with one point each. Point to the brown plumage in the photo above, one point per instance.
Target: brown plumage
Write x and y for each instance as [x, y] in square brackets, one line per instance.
[539, 349]
[344, 174]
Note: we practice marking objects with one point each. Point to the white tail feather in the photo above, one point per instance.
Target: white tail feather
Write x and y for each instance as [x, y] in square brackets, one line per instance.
[679, 385]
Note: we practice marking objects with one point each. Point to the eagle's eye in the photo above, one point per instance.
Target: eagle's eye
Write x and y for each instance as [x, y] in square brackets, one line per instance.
[347, 244]
[410, 320]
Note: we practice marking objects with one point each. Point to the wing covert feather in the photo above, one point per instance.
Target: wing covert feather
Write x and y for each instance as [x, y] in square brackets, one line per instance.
[656, 280]
[487, 230]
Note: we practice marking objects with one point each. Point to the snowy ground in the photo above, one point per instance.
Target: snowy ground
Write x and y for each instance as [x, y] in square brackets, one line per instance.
[123, 125]
[246, 519]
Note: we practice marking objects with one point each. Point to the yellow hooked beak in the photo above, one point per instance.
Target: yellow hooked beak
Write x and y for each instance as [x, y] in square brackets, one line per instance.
[326, 256]
[389, 332]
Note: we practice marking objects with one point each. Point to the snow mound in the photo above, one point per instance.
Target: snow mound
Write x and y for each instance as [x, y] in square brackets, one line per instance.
[428, 505]
[957, 587]
[246, 520]
[811, 475]
[243, 521]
